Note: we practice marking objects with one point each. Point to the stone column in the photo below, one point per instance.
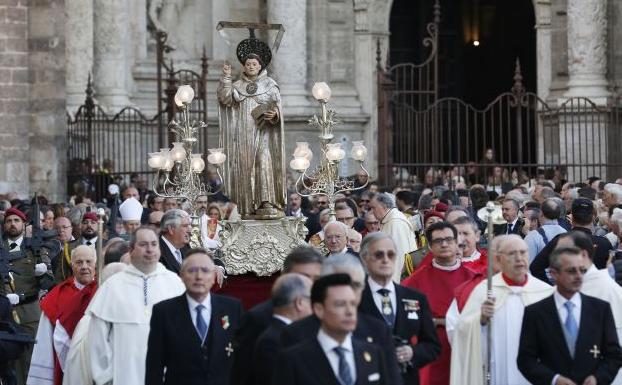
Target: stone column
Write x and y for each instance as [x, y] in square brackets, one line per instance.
[111, 32]
[289, 64]
[587, 50]
[78, 50]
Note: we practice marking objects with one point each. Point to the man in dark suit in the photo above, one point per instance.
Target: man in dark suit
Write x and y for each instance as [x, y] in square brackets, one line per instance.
[291, 296]
[298, 206]
[336, 239]
[333, 357]
[191, 336]
[303, 260]
[404, 310]
[175, 234]
[514, 224]
[368, 328]
[569, 338]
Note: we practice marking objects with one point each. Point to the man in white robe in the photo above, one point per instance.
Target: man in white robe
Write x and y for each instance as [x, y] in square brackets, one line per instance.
[395, 224]
[76, 363]
[596, 283]
[121, 311]
[513, 289]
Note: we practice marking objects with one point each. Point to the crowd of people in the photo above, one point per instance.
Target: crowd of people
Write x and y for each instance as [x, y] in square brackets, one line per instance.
[393, 290]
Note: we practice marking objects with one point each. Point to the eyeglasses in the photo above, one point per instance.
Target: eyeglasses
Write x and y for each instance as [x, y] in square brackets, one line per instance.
[364, 201]
[372, 223]
[379, 255]
[334, 237]
[155, 224]
[440, 241]
[196, 269]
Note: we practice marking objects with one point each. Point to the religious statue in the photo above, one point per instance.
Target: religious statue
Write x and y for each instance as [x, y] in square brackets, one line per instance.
[251, 129]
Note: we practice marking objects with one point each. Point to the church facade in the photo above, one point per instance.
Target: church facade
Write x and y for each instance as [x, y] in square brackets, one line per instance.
[50, 47]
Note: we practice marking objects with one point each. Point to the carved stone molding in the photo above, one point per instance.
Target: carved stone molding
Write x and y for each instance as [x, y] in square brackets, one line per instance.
[260, 246]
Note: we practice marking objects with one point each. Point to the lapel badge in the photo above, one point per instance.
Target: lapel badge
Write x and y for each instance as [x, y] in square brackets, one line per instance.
[410, 305]
[229, 349]
[224, 321]
[370, 339]
[367, 356]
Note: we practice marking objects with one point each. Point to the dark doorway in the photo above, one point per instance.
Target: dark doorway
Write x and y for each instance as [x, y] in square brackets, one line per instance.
[479, 41]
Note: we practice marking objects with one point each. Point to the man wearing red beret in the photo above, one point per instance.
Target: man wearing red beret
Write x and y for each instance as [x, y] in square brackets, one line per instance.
[30, 276]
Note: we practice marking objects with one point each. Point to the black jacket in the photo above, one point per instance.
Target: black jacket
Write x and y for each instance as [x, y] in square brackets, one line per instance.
[418, 330]
[170, 262]
[266, 350]
[253, 323]
[307, 364]
[174, 344]
[543, 352]
[368, 329]
[517, 229]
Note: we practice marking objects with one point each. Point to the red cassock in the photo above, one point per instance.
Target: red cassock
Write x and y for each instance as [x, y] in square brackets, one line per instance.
[64, 301]
[438, 286]
[479, 265]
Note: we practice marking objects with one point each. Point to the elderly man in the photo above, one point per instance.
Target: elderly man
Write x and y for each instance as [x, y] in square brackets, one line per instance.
[121, 311]
[61, 265]
[75, 292]
[612, 195]
[336, 238]
[371, 223]
[513, 289]
[174, 239]
[291, 300]
[191, 335]
[396, 225]
[537, 239]
[404, 310]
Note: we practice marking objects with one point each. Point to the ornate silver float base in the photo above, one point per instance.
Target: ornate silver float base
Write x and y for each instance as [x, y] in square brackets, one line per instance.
[260, 246]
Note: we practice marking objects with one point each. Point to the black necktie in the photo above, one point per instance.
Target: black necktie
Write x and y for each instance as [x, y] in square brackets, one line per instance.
[509, 228]
[12, 246]
[89, 243]
[387, 307]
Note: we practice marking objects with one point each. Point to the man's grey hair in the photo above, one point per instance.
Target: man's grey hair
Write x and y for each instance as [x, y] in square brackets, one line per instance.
[557, 254]
[516, 196]
[466, 221]
[615, 190]
[370, 239]
[339, 263]
[83, 249]
[616, 217]
[75, 215]
[386, 200]
[573, 193]
[288, 287]
[172, 218]
[500, 241]
[342, 226]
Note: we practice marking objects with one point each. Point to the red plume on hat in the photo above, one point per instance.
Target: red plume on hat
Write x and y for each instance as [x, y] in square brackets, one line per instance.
[14, 211]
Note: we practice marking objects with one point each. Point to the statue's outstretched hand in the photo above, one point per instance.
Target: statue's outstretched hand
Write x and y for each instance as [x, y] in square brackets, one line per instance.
[226, 69]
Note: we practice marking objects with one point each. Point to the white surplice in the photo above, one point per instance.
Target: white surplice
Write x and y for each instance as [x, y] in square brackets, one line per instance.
[119, 328]
[468, 350]
[77, 366]
[42, 361]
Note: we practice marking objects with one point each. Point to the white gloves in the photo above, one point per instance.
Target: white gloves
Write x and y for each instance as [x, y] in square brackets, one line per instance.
[13, 298]
[40, 269]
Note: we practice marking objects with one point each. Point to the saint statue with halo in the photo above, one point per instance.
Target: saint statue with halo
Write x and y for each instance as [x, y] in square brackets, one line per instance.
[251, 133]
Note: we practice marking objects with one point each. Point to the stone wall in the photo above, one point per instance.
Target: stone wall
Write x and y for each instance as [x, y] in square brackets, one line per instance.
[14, 97]
[32, 98]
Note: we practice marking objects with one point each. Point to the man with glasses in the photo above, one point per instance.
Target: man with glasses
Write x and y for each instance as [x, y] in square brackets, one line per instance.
[405, 311]
[512, 289]
[371, 224]
[336, 239]
[345, 215]
[569, 338]
[438, 282]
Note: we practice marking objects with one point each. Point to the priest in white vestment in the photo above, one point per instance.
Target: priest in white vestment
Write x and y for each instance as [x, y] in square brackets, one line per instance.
[121, 311]
[76, 364]
[513, 289]
[597, 283]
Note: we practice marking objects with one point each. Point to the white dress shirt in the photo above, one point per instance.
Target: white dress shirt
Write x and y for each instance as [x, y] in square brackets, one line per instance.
[374, 287]
[328, 344]
[176, 252]
[472, 258]
[513, 224]
[285, 320]
[18, 242]
[92, 240]
[206, 313]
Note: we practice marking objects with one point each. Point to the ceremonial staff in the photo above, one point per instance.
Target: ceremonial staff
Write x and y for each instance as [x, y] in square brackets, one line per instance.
[100, 255]
[491, 214]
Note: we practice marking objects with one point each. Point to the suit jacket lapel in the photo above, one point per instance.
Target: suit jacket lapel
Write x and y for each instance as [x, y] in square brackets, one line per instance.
[556, 325]
[361, 363]
[216, 327]
[582, 344]
[369, 304]
[185, 319]
[399, 309]
[318, 363]
[170, 258]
